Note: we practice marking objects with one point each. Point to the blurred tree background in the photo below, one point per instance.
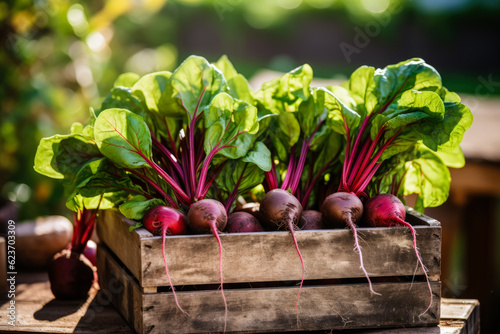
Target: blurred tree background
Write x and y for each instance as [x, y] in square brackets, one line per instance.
[58, 58]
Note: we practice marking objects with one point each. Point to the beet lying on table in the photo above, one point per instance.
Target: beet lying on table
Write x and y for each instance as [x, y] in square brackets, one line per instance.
[71, 274]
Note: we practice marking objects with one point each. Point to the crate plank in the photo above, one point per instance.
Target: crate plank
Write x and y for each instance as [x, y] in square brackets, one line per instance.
[340, 306]
[462, 310]
[247, 257]
[113, 229]
[120, 287]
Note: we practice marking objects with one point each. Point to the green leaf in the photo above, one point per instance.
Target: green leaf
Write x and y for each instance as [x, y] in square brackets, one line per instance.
[121, 97]
[238, 85]
[123, 137]
[135, 207]
[454, 159]
[282, 148]
[361, 85]
[62, 156]
[412, 74]
[412, 109]
[428, 177]
[99, 178]
[312, 112]
[345, 96]
[338, 112]
[448, 96]
[285, 94]
[234, 170]
[231, 123]
[226, 67]
[197, 82]
[126, 80]
[136, 226]
[450, 132]
[150, 88]
[260, 156]
[293, 87]
[163, 110]
[290, 127]
[329, 148]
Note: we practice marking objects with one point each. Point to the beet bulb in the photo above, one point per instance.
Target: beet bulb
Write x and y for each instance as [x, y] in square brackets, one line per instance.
[71, 275]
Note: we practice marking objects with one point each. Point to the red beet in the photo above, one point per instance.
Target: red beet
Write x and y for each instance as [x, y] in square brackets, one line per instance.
[163, 220]
[209, 216]
[386, 210]
[241, 221]
[341, 209]
[71, 275]
[280, 210]
[312, 220]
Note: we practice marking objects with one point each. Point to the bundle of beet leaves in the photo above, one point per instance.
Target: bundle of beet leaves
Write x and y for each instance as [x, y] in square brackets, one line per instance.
[169, 147]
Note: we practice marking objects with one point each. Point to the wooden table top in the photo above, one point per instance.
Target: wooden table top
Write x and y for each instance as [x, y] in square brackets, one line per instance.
[38, 312]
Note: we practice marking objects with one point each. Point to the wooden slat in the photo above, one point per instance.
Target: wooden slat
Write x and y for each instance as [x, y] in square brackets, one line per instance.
[119, 286]
[466, 310]
[320, 307]
[112, 229]
[38, 312]
[342, 306]
[271, 256]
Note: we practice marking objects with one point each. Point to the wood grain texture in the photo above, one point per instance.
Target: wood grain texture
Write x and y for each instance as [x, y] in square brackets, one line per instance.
[38, 312]
[271, 256]
[466, 310]
[113, 229]
[120, 287]
[340, 306]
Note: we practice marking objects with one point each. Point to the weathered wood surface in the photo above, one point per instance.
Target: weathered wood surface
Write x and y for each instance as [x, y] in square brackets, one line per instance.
[111, 228]
[38, 312]
[338, 306]
[462, 310]
[271, 256]
[121, 288]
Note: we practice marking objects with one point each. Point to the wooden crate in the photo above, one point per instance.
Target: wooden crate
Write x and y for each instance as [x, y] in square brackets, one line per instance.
[261, 272]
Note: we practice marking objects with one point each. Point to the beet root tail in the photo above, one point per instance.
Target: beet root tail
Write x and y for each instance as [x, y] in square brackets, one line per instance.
[419, 258]
[357, 247]
[291, 228]
[168, 275]
[216, 234]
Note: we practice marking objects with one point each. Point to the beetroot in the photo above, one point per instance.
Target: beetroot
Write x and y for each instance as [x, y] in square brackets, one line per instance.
[163, 220]
[280, 210]
[312, 220]
[252, 207]
[341, 209]
[241, 221]
[209, 216]
[71, 275]
[386, 210]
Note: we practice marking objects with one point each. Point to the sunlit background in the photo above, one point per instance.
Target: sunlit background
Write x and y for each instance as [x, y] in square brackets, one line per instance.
[58, 58]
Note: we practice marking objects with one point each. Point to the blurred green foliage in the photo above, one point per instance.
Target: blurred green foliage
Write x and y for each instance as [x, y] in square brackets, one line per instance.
[58, 57]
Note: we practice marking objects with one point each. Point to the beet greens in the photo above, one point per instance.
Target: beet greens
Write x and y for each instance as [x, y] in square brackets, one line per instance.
[397, 109]
[294, 123]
